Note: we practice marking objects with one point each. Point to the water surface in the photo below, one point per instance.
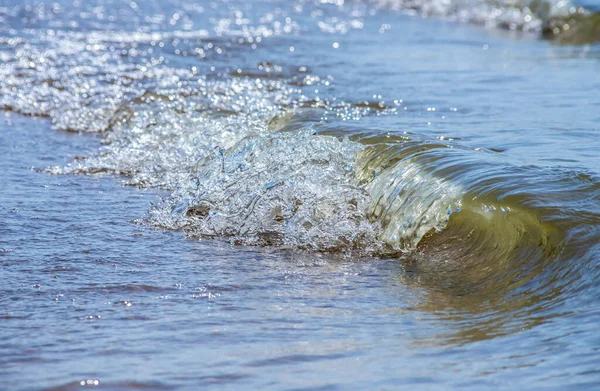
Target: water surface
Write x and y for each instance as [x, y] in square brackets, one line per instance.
[299, 195]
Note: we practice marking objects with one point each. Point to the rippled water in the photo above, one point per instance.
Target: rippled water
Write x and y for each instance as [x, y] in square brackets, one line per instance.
[299, 195]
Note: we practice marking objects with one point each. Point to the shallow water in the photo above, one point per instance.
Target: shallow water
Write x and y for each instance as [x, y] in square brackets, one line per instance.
[299, 195]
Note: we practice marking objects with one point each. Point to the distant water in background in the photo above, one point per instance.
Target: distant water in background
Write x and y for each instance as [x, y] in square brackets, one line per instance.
[299, 195]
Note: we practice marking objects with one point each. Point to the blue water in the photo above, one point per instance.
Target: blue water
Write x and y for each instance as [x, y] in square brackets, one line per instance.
[361, 198]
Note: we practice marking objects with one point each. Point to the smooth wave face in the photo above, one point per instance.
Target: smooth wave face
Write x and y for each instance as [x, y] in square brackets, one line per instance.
[300, 153]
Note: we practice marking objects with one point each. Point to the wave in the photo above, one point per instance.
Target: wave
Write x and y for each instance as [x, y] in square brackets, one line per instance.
[284, 180]
[281, 181]
[561, 21]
